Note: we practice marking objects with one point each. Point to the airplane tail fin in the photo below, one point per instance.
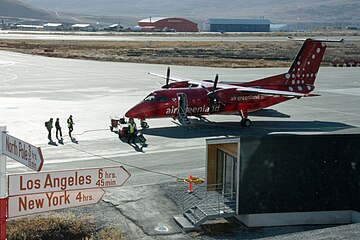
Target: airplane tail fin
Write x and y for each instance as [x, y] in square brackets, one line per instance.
[305, 66]
[307, 63]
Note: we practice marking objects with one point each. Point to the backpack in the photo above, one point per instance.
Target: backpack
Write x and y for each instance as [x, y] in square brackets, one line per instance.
[46, 124]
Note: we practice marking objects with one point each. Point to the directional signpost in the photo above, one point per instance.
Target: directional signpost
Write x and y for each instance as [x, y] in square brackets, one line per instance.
[42, 202]
[46, 191]
[31, 193]
[22, 152]
[21, 184]
[3, 187]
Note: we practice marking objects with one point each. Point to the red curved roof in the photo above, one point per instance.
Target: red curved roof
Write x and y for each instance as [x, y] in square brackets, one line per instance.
[163, 23]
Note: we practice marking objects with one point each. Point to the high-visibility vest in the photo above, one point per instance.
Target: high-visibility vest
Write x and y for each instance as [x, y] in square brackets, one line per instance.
[70, 122]
[131, 128]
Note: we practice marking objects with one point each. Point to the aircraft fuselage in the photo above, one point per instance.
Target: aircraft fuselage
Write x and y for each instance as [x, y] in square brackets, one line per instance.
[166, 103]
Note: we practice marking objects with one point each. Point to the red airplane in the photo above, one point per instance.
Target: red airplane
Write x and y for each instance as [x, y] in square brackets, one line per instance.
[185, 97]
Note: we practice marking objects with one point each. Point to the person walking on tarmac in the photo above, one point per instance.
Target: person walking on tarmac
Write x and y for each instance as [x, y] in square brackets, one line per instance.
[71, 124]
[132, 130]
[58, 130]
[49, 126]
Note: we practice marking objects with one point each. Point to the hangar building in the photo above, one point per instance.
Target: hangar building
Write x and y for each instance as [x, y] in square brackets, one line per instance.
[167, 24]
[239, 25]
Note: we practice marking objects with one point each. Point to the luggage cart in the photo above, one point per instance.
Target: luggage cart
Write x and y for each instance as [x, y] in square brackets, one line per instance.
[116, 126]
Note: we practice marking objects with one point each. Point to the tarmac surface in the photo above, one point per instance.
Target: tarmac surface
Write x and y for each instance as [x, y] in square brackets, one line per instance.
[35, 88]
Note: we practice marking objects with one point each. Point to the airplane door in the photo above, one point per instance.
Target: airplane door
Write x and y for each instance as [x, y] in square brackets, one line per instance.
[182, 103]
[226, 174]
[229, 174]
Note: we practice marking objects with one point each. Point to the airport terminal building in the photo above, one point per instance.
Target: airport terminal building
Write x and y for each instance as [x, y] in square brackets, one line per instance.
[239, 25]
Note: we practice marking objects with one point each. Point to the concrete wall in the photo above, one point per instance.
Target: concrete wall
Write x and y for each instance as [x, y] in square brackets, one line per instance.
[296, 218]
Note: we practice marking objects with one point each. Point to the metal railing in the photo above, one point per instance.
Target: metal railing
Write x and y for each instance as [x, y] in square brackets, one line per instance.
[189, 200]
[203, 204]
[182, 116]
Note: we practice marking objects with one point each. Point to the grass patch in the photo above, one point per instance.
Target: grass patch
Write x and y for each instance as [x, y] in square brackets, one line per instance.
[59, 227]
[230, 54]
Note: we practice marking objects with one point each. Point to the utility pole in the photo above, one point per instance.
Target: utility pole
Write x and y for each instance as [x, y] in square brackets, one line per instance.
[3, 188]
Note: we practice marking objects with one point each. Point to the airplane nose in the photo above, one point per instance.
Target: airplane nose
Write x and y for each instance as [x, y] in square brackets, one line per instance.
[132, 113]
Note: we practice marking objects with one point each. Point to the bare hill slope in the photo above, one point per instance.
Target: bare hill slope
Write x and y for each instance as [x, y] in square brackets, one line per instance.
[277, 11]
[13, 8]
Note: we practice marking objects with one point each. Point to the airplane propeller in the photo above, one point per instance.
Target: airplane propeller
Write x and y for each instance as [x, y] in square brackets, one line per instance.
[216, 81]
[167, 78]
[212, 94]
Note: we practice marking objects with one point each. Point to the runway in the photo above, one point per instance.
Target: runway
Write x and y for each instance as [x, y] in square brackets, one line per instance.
[35, 88]
[126, 36]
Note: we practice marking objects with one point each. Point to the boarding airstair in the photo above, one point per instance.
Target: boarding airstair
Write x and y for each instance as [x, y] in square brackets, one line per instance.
[183, 118]
[182, 114]
[201, 206]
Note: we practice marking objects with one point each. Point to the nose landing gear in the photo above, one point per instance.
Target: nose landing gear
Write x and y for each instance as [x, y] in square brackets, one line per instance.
[144, 124]
[245, 121]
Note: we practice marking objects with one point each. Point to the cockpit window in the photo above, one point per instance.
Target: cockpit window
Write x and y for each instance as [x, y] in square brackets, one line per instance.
[149, 98]
[152, 98]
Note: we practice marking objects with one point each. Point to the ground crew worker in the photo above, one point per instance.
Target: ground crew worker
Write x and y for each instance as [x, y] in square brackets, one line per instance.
[58, 130]
[49, 126]
[71, 124]
[132, 130]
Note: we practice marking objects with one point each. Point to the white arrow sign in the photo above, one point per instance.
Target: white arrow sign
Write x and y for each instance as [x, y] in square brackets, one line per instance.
[43, 202]
[22, 152]
[20, 184]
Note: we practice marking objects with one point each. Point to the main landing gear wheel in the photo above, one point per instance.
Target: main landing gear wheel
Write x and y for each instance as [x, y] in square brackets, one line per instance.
[144, 124]
[245, 122]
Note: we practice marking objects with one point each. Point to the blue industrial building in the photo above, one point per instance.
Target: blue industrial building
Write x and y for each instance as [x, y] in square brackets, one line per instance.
[239, 25]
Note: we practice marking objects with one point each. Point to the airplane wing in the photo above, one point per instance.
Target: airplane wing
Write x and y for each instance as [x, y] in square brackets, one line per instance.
[270, 92]
[175, 79]
[222, 86]
[180, 79]
[317, 39]
[261, 91]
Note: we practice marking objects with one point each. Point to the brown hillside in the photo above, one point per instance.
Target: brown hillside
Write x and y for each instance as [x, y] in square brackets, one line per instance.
[16, 9]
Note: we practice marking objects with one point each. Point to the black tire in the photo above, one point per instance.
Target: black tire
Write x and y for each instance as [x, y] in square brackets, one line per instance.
[245, 122]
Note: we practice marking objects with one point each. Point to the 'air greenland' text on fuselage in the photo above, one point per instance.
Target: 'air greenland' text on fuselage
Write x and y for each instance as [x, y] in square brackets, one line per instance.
[193, 110]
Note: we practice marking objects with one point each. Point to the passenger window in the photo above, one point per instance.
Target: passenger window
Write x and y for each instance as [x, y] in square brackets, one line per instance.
[161, 98]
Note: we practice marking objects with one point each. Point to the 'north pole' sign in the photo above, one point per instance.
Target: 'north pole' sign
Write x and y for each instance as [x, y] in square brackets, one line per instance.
[22, 152]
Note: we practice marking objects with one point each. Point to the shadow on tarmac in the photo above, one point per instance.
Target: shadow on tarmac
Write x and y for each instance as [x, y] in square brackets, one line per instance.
[52, 143]
[269, 113]
[261, 113]
[138, 146]
[201, 128]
